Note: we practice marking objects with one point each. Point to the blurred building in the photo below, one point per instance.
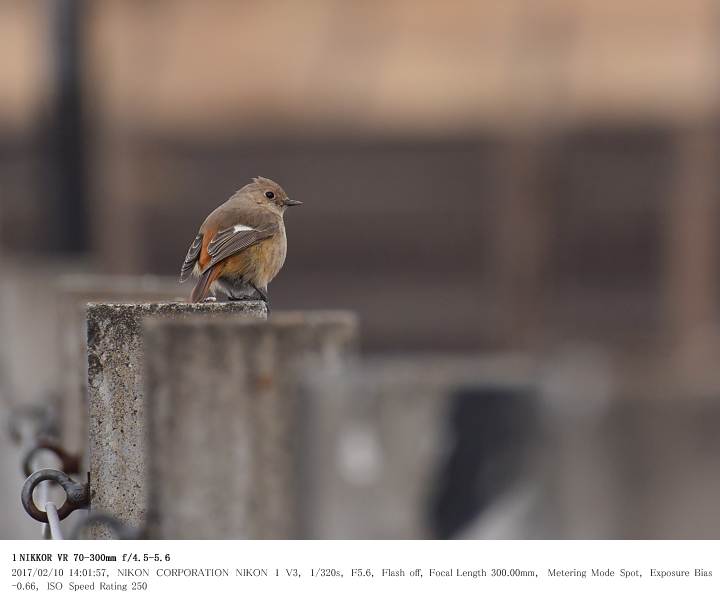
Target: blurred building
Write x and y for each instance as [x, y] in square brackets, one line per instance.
[478, 176]
[530, 170]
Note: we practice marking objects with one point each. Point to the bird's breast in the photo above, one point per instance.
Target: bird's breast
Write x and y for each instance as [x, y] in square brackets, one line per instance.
[259, 263]
[272, 253]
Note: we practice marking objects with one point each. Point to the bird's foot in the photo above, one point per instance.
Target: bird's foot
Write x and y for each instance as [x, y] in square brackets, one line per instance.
[210, 299]
[262, 292]
[258, 294]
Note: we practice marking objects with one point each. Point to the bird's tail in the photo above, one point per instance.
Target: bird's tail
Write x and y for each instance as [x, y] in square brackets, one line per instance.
[202, 288]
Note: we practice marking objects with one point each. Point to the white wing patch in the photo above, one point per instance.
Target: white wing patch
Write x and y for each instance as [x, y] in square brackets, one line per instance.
[238, 228]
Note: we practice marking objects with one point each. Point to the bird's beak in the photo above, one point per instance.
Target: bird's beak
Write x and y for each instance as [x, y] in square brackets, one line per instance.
[293, 202]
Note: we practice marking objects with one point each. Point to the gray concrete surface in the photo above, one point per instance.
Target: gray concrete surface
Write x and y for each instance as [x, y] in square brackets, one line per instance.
[74, 292]
[225, 413]
[116, 420]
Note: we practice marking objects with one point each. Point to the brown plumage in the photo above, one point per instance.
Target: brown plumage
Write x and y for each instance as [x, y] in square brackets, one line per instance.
[241, 246]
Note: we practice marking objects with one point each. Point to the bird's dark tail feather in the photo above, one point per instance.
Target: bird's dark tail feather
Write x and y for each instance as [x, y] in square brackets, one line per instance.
[202, 289]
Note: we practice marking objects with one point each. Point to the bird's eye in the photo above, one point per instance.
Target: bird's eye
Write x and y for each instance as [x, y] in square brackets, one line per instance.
[269, 194]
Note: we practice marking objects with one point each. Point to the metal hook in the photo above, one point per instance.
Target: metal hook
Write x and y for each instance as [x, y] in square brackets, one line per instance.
[77, 495]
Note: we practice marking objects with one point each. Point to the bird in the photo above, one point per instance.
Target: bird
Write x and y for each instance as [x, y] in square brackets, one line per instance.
[241, 246]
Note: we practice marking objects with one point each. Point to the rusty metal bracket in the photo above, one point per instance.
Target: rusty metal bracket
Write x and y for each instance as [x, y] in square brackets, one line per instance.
[116, 527]
[70, 463]
[77, 495]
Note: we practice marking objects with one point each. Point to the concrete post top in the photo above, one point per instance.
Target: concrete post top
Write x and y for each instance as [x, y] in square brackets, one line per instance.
[133, 311]
[126, 319]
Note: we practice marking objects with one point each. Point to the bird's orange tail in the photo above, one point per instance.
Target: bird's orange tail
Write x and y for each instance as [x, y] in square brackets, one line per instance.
[202, 289]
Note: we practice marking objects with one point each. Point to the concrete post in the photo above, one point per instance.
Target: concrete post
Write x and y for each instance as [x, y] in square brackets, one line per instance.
[74, 292]
[225, 419]
[116, 407]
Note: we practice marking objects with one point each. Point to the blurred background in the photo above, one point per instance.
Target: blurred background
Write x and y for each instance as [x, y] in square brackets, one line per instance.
[535, 179]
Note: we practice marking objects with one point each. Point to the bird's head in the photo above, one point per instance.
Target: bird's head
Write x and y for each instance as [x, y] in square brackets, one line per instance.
[268, 193]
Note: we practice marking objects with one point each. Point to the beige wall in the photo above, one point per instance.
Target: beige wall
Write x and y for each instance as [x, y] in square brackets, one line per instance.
[23, 62]
[558, 125]
[400, 65]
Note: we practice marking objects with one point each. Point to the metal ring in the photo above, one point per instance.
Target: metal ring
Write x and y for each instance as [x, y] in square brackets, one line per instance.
[117, 527]
[77, 495]
[70, 463]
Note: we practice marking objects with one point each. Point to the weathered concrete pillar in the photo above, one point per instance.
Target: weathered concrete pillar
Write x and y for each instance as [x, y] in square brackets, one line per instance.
[116, 408]
[225, 421]
[74, 292]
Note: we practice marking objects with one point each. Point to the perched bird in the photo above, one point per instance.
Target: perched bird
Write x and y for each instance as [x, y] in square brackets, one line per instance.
[241, 246]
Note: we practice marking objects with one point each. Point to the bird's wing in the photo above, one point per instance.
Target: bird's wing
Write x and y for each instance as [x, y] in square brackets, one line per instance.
[191, 258]
[234, 239]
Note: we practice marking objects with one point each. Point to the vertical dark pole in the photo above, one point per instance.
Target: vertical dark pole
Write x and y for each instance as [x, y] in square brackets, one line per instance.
[68, 136]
